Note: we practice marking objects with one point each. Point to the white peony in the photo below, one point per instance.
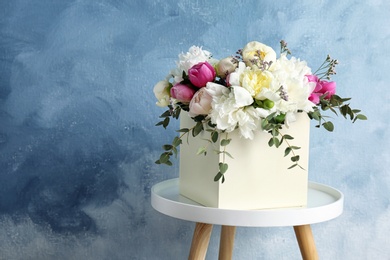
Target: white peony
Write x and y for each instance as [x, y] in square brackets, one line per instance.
[161, 92]
[231, 109]
[257, 51]
[290, 74]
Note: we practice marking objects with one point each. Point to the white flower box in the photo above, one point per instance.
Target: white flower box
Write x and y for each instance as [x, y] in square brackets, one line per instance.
[257, 177]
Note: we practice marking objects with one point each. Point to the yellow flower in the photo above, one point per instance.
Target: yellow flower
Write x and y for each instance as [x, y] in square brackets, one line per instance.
[255, 80]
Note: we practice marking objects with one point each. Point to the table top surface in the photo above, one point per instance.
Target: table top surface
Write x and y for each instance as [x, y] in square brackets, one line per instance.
[324, 203]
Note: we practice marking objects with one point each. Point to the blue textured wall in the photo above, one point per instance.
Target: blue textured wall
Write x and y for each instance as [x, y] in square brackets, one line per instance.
[77, 115]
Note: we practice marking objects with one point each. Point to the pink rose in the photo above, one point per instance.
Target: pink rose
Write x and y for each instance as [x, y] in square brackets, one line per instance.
[322, 87]
[201, 73]
[201, 103]
[182, 93]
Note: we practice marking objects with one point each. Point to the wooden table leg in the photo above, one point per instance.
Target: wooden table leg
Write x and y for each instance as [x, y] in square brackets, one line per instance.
[226, 242]
[200, 241]
[306, 242]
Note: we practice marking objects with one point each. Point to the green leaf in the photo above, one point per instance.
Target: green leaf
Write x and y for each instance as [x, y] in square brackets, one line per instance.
[264, 124]
[176, 141]
[214, 136]
[288, 137]
[164, 157]
[346, 110]
[201, 150]
[295, 158]
[267, 127]
[167, 147]
[328, 126]
[176, 113]
[361, 117]
[174, 150]
[292, 166]
[197, 129]
[183, 130]
[271, 142]
[223, 167]
[218, 176]
[159, 123]
[210, 124]
[166, 122]
[199, 118]
[276, 142]
[166, 114]
[274, 132]
[228, 154]
[295, 147]
[287, 151]
[225, 142]
[270, 116]
[281, 141]
[315, 115]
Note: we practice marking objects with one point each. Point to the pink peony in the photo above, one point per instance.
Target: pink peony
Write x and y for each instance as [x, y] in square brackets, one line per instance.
[322, 87]
[201, 103]
[201, 73]
[182, 93]
[328, 87]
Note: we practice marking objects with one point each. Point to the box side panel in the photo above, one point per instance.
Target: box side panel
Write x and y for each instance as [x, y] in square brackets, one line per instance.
[197, 172]
[258, 176]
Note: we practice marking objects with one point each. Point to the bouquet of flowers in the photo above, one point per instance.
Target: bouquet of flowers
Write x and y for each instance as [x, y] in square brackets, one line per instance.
[253, 90]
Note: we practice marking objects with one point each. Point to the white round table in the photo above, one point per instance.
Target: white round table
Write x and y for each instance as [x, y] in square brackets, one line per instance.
[324, 203]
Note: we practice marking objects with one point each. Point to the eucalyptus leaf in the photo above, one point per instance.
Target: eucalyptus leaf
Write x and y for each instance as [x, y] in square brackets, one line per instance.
[218, 176]
[328, 126]
[225, 142]
[276, 142]
[228, 154]
[292, 166]
[183, 130]
[201, 150]
[166, 122]
[197, 129]
[264, 124]
[164, 157]
[223, 167]
[214, 136]
[271, 142]
[159, 123]
[361, 117]
[167, 147]
[176, 141]
[287, 151]
[166, 114]
[174, 150]
[315, 115]
[295, 158]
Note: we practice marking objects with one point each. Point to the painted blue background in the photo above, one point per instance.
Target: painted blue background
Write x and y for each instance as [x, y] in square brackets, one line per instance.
[77, 115]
